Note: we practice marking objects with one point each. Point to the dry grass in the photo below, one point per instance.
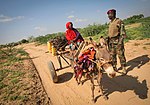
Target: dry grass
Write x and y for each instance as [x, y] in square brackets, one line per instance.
[135, 25]
[19, 80]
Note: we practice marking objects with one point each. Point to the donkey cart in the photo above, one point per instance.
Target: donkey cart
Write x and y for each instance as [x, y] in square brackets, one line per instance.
[67, 56]
[93, 61]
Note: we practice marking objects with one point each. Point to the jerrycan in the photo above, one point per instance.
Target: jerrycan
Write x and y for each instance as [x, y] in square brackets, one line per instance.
[53, 51]
[49, 45]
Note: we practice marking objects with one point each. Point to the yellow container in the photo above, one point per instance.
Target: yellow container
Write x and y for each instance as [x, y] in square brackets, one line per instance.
[53, 51]
[49, 45]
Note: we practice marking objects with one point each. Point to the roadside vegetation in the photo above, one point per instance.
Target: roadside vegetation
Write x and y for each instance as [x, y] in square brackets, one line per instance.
[137, 27]
[141, 31]
[19, 81]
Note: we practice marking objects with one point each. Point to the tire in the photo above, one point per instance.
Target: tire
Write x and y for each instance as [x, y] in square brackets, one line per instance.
[53, 73]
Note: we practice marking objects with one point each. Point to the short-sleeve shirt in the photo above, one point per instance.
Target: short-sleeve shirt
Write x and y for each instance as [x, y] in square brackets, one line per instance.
[115, 28]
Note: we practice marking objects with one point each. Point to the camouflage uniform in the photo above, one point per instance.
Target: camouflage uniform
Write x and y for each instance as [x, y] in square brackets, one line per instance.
[116, 45]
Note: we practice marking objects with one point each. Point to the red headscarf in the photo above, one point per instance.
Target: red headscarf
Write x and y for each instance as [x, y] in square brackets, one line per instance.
[70, 34]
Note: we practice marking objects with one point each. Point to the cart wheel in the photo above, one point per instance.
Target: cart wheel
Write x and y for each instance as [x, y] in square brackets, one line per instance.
[54, 76]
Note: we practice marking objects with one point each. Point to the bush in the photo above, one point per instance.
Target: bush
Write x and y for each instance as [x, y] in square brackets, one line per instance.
[141, 32]
[31, 39]
[97, 30]
[46, 38]
[145, 30]
[24, 41]
[93, 30]
[133, 19]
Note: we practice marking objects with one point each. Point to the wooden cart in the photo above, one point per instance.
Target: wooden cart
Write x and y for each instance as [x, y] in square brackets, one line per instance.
[63, 55]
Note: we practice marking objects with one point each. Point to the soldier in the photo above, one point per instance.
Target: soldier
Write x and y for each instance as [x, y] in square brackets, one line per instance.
[116, 34]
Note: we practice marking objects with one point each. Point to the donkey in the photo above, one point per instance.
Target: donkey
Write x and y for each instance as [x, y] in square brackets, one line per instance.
[102, 62]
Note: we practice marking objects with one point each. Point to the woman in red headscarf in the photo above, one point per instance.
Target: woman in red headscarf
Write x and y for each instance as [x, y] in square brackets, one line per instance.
[72, 35]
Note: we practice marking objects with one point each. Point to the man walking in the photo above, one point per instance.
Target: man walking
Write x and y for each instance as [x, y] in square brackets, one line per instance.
[116, 35]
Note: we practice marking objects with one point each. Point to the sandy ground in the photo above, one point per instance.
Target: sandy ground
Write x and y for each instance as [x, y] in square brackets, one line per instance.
[132, 89]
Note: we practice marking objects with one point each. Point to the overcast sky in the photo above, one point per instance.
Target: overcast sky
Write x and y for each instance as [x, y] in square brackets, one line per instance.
[23, 18]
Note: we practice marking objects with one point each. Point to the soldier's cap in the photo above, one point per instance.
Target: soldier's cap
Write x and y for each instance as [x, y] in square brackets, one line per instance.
[111, 11]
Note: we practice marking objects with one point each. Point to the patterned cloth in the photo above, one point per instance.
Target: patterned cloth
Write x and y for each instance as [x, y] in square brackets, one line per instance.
[84, 63]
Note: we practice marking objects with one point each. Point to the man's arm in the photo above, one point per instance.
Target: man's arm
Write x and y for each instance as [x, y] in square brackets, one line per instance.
[77, 34]
[122, 30]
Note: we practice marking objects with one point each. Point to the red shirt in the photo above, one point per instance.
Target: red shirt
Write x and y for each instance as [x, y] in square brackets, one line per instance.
[73, 34]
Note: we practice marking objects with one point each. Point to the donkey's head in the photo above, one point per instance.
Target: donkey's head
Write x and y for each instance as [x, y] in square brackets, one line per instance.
[103, 57]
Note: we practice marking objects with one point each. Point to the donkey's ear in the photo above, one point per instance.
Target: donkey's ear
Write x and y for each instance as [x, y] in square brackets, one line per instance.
[99, 45]
[91, 39]
[101, 36]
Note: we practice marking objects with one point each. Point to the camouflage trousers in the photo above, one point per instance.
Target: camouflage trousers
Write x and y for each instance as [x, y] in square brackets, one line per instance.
[117, 48]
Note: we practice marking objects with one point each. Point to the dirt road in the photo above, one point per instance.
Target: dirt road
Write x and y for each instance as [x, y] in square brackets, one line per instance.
[132, 89]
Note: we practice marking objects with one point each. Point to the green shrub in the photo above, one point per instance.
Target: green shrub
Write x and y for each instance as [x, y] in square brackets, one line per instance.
[93, 30]
[46, 38]
[141, 32]
[24, 41]
[97, 30]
